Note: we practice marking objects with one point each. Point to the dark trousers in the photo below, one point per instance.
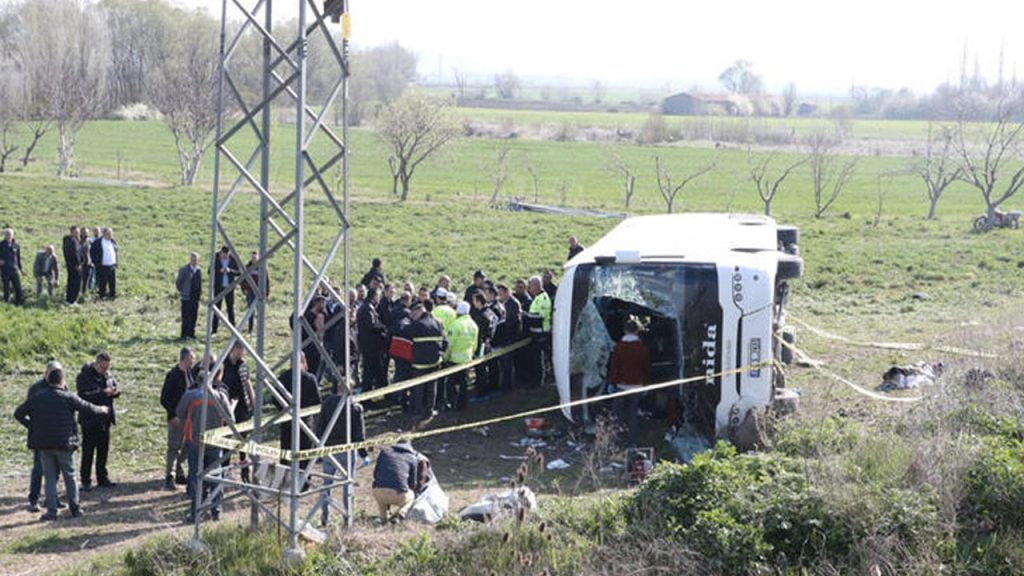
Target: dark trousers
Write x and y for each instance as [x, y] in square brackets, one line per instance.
[95, 441]
[88, 277]
[506, 370]
[372, 375]
[532, 363]
[229, 302]
[250, 299]
[189, 315]
[211, 455]
[12, 286]
[35, 482]
[628, 412]
[59, 462]
[455, 389]
[74, 286]
[106, 280]
[425, 395]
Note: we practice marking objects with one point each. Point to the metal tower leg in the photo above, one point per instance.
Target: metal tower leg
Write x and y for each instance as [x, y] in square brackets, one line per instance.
[245, 150]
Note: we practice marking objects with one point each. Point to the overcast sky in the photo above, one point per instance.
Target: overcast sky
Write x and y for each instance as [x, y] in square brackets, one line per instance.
[824, 46]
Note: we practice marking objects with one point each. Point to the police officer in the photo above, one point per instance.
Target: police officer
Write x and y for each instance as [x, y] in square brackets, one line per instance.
[538, 322]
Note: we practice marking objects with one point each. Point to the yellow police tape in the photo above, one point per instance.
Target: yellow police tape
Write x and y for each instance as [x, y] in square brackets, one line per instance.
[217, 437]
[910, 346]
[285, 415]
[859, 389]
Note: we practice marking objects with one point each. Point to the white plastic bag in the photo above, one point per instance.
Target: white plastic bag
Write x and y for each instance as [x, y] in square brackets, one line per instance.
[430, 506]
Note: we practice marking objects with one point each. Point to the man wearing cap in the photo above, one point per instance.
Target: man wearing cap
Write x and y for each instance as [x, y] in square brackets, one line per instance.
[49, 416]
[479, 279]
[444, 309]
[463, 339]
[428, 344]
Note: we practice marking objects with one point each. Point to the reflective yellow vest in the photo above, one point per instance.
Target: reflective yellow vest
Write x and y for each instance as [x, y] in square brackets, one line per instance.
[462, 339]
[444, 314]
[541, 306]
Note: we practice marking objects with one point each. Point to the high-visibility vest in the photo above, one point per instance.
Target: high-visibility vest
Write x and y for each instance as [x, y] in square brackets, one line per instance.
[541, 308]
[462, 339]
[444, 314]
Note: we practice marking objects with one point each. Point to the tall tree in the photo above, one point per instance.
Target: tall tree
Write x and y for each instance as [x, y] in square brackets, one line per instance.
[997, 142]
[741, 79]
[64, 49]
[183, 86]
[138, 34]
[378, 75]
[414, 127]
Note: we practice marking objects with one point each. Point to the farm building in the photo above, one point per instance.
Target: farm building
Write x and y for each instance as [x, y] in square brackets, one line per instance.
[702, 104]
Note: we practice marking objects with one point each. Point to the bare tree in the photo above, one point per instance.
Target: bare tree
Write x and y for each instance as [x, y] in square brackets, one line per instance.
[598, 91]
[183, 88]
[937, 168]
[789, 98]
[768, 185]
[619, 166]
[38, 126]
[507, 85]
[998, 143]
[670, 190]
[10, 104]
[460, 83]
[499, 173]
[64, 49]
[414, 127]
[536, 181]
[138, 33]
[829, 176]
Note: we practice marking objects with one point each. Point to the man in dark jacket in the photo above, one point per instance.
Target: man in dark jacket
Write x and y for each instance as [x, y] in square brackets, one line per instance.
[35, 485]
[427, 338]
[189, 283]
[399, 322]
[10, 268]
[178, 380]
[574, 248]
[49, 416]
[218, 413]
[337, 437]
[508, 332]
[486, 321]
[240, 393]
[397, 478]
[73, 265]
[225, 269]
[96, 384]
[309, 395]
[371, 332]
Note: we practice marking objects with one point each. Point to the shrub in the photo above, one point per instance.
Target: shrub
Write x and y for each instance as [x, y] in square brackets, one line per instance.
[995, 483]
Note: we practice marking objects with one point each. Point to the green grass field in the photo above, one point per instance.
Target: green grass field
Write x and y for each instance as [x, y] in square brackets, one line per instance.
[860, 278]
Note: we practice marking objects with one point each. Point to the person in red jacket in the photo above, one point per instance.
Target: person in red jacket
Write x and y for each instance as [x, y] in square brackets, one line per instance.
[630, 369]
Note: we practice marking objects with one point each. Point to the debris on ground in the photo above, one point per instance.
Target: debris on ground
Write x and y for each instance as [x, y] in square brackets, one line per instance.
[558, 464]
[687, 445]
[430, 506]
[911, 376]
[507, 457]
[977, 377]
[529, 443]
[494, 505]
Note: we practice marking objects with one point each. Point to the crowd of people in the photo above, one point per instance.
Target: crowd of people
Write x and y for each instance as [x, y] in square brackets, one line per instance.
[397, 333]
[90, 262]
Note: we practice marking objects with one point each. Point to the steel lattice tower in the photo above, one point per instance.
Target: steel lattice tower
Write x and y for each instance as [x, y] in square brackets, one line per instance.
[304, 185]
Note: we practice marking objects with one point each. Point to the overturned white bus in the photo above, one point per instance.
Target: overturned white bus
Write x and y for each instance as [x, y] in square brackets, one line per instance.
[711, 291]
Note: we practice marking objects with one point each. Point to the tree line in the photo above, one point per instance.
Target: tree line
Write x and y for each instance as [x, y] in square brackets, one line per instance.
[65, 62]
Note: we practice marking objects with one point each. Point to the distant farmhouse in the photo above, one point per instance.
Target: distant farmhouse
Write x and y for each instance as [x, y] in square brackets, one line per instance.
[705, 104]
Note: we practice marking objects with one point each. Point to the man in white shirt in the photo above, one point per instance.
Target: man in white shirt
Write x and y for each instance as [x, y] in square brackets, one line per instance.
[104, 257]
